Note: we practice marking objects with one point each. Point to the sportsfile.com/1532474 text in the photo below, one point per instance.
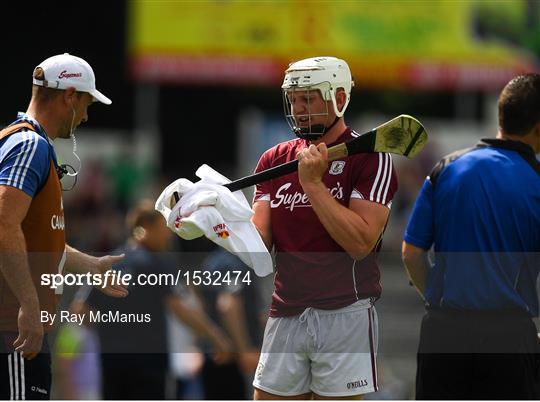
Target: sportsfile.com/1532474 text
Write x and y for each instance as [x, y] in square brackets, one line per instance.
[187, 277]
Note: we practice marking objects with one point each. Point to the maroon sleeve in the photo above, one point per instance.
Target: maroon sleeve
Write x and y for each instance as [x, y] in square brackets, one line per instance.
[263, 189]
[375, 178]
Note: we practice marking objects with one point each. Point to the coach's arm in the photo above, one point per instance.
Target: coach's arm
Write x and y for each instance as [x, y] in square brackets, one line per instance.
[14, 205]
[417, 265]
[79, 262]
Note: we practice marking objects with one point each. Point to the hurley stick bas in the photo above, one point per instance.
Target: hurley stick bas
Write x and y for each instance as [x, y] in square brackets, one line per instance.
[403, 135]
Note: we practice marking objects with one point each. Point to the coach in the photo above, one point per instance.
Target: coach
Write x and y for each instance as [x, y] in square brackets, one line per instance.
[480, 209]
[32, 232]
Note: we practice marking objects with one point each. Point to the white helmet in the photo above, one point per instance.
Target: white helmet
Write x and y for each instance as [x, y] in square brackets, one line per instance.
[326, 74]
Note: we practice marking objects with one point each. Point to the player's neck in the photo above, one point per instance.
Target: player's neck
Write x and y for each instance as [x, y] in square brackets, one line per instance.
[333, 134]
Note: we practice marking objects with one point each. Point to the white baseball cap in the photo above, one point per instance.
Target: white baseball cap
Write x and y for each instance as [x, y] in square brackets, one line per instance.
[65, 70]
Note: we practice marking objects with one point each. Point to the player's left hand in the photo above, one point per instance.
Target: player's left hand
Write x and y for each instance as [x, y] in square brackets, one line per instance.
[104, 264]
[312, 164]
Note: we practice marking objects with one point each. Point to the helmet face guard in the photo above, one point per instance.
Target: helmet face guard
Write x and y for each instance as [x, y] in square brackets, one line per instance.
[303, 125]
[323, 74]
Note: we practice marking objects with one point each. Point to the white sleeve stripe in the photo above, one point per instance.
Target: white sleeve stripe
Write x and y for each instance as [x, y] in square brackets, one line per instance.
[264, 197]
[383, 178]
[12, 171]
[389, 179]
[373, 188]
[28, 162]
[357, 194]
[17, 167]
[29, 150]
[10, 371]
[23, 382]
[381, 184]
[16, 374]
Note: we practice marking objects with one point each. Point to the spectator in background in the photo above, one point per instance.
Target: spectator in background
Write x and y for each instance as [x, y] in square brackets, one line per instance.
[134, 355]
[238, 307]
[480, 210]
[186, 357]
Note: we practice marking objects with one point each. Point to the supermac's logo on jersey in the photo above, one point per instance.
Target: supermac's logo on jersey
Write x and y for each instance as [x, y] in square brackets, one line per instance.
[299, 200]
[337, 167]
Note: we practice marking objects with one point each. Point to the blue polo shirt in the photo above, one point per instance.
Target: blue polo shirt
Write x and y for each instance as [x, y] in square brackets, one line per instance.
[25, 157]
[480, 209]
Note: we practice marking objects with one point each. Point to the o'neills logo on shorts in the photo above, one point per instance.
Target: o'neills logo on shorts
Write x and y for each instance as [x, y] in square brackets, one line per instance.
[259, 371]
[357, 384]
[299, 200]
[65, 74]
[221, 230]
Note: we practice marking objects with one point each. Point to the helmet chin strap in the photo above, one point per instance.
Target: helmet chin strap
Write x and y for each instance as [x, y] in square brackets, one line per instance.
[72, 135]
[314, 132]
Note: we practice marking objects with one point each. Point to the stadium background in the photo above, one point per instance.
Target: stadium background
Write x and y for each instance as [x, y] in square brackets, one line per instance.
[198, 82]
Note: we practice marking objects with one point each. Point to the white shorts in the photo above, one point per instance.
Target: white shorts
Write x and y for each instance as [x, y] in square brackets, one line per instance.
[328, 352]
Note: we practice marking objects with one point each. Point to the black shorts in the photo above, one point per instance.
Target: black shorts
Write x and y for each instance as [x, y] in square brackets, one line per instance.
[20, 378]
[464, 355]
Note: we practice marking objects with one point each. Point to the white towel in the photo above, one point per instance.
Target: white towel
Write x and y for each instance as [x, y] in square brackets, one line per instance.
[207, 208]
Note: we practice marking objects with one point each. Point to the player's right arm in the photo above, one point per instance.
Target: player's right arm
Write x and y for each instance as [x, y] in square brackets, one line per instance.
[261, 220]
[261, 203]
[14, 204]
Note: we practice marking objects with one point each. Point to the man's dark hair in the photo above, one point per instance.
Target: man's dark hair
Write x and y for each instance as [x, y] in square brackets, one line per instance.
[42, 94]
[519, 105]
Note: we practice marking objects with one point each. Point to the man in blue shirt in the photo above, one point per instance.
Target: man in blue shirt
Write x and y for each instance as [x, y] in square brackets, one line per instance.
[480, 210]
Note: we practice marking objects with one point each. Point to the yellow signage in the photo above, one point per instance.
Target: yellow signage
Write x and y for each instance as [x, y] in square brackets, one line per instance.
[426, 44]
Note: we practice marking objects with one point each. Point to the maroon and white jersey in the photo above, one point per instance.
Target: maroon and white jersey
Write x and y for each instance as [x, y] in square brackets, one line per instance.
[312, 269]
